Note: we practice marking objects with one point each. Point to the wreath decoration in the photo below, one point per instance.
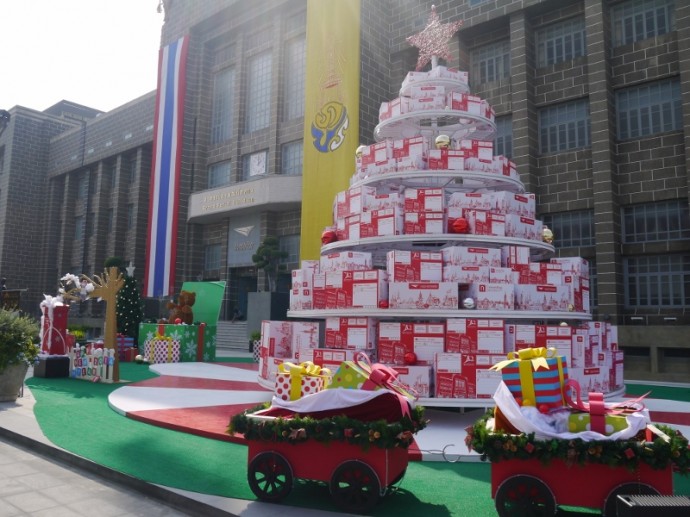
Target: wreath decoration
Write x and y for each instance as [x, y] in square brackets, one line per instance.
[297, 429]
[497, 446]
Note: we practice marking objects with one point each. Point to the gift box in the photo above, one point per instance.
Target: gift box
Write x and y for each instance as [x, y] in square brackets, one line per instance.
[54, 333]
[162, 349]
[580, 421]
[535, 376]
[128, 355]
[294, 381]
[197, 342]
[362, 374]
[52, 366]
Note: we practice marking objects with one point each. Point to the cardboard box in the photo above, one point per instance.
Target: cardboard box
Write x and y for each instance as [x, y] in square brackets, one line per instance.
[466, 274]
[577, 266]
[512, 256]
[446, 159]
[466, 376]
[276, 338]
[380, 223]
[471, 200]
[424, 200]
[523, 227]
[301, 299]
[352, 333]
[490, 297]
[486, 223]
[475, 336]
[398, 338]
[523, 205]
[471, 256]
[333, 358]
[418, 378]
[437, 102]
[424, 223]
[423, 295]
[543, 297]
[410, 147]
[501, 275]
[414, 266]
[345, 260]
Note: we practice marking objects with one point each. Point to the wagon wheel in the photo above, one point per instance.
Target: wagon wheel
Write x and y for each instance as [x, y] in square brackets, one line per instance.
[270, 476]
[611, 502]
[355, 487]
[524, 496]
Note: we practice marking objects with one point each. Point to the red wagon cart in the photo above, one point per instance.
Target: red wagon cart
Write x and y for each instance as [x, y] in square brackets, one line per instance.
[534, 477]
[361, 453]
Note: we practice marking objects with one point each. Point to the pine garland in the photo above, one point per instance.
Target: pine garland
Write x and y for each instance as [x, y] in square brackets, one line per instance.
[658, 454]
[298, 429]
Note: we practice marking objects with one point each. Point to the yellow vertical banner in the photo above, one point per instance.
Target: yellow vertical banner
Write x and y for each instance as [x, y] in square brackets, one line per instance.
[331, 113]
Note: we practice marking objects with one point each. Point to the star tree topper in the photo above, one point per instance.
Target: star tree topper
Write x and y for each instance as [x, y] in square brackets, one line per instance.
[432, 42]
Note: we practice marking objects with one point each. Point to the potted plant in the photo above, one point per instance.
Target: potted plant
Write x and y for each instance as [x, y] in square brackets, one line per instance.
[254, 337]
[18, 350]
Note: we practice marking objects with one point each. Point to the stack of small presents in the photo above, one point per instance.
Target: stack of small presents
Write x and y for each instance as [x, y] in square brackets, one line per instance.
[536, 396]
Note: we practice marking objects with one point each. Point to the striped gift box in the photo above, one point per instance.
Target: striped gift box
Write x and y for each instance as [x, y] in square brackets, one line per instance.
[535, 377]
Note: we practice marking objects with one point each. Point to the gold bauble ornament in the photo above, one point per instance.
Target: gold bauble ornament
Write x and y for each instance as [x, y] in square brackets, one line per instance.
[442, 142]
[547, 235]
[360, 151]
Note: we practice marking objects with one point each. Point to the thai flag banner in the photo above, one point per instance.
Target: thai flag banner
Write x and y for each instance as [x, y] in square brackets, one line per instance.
[161, 246]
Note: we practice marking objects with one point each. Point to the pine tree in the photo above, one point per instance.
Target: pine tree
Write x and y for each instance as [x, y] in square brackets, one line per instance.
[130, 308]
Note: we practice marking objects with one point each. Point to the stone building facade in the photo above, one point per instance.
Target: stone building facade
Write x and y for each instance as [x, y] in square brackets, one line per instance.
[592, 100]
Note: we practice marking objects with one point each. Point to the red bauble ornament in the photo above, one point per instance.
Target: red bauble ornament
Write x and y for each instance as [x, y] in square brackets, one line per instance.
[383, 304]
[328, 236]
[410, 358]
[460, 225]
[543, 409]
[178, 321]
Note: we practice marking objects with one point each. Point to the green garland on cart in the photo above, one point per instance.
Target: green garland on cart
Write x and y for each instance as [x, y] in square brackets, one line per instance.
[298, 429]
[659, 454]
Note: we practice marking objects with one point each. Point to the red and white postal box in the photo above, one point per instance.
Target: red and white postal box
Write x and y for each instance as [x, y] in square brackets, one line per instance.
[345, 260]
[305, 335]
[424, 200]
[510, 203]
[484, 151]
[398, 338]
[331, 358]
[369, 288]
[466, 375]
[353, 333]
[302, 278]
[471, 256]
[446, 159]
[416, 223]
[419, 378]
[515, 256]
[470, 200]
[353, 201]
[377, 152]
[414, 266]
[490, 297]
[486, 223]
[301, 299]
[465, 102]
[501, 275]
[380, 223]
[276, 338]
[472, 335]
[523, 227]
[576, 266]
[423, 295]
[410, 147]
[466, 274]
[437, 102]
[543, 297]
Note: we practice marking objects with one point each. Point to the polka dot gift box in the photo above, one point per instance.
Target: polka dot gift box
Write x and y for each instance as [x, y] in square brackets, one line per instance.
[294, 381]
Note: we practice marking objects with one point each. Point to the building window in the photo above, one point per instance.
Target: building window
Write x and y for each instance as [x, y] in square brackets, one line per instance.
[293, 94]
[220, 174]
[564, 126]
[2, 159]
[132, 169]
[561, 41]
[259, 93]
[503, 144]
[130, 216]
[223, 113]
[291, 158]
[290, 245]
[653, 222]
[111, 220]
[83, 187]
[254, 164]
[649, 109]
[490, 62]
[636, 20]
[213, 257]
[113, 176]
[657, 281]
[79, 223]
[571, 229]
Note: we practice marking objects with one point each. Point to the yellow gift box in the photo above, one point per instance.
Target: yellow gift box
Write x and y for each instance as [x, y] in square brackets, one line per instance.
[294, 381]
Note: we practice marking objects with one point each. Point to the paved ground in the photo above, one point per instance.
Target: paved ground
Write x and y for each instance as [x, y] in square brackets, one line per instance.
[38, 479]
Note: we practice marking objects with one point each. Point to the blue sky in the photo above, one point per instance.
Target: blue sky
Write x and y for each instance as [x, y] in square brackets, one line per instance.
[100, 53]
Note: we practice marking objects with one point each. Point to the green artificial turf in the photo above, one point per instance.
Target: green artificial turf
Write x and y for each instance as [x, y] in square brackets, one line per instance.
[75, 415]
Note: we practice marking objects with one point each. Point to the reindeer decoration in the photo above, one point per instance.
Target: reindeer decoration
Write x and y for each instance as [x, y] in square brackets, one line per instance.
[106, 288]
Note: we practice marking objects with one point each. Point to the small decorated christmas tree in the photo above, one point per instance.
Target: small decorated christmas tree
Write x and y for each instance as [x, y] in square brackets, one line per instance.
[129, 308]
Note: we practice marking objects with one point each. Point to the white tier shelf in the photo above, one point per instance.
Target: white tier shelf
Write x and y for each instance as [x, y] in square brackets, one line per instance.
[457, 124]
[379, 246]
[433, 314]
[449, 85]
[451, 180]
